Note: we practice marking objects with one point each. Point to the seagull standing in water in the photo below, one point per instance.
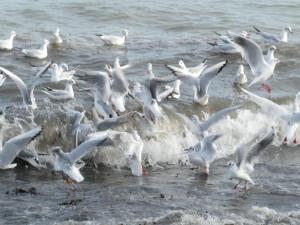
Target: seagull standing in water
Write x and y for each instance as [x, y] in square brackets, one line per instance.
[66, 94]
[56, 38]
[246, 157]
[66, 162]
[261, 68]
[114, 40]
[8, 44]
[273, 39]
[40, 53]
[10, 150]
[203, 153]
[61, 72]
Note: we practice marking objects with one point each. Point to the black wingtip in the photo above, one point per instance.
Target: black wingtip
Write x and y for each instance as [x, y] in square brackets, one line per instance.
[221, 68]
[204, 60]
[99, 35]
[212, 43]
[37, 134]
[169, 68]
[255, 28]
[217, 33]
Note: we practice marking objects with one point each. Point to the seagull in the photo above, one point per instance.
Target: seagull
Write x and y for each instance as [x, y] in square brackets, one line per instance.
[77, 126]
[246, 157]
[260, 67]
[153, 84]
[40, 53]
[65, 94]
[200, 127]
[10, 150]
[203, 153]
[30, 157]
[273, 39]
[114, 40]
[200, 88]
[2, 78]
[8, 44]
[134, 154]
[103, 108]
[187, 72]
[277, 112]
[270, 108]
[226, 45]
[240, 78]
[201, 83]
[61, 72]
[65, 162]
[151, 109]
[109, 123]
[290, 134]
[56, 38]
[119, 87]
[109, 69]
[170, 91]
[102, 85]
[28, 97]
[152, 112]
[270, 55]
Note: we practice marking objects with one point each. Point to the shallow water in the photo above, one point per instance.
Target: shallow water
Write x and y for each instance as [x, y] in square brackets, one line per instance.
[161, 32]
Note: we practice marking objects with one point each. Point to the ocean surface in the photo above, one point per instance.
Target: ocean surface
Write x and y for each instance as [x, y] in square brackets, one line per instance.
[160, 32]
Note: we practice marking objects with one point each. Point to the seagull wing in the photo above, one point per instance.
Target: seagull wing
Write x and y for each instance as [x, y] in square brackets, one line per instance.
[217, 117]
[16, 144]
[208, 75]
[87, 146]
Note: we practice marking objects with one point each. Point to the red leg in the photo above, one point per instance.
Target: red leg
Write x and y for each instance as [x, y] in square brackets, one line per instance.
[267, 87]
[144, 170]
[295, 140]
[285, 140]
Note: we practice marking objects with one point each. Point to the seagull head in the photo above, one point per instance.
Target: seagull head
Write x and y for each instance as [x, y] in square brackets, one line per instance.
[231, 163]
[56, 32]
[241, 70]
[46, 42]
[272, 48]
[298, 97]
[54, 66]
[13, 34]
[56, 150]
[136, 135]
[288, 29]
[117, 62]
[149, 67]
[71, 82]
[125, 32]
[245, 34]
[195, 119]
[181, 64]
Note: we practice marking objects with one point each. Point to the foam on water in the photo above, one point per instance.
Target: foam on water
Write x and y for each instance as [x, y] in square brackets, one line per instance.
[256, 215]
